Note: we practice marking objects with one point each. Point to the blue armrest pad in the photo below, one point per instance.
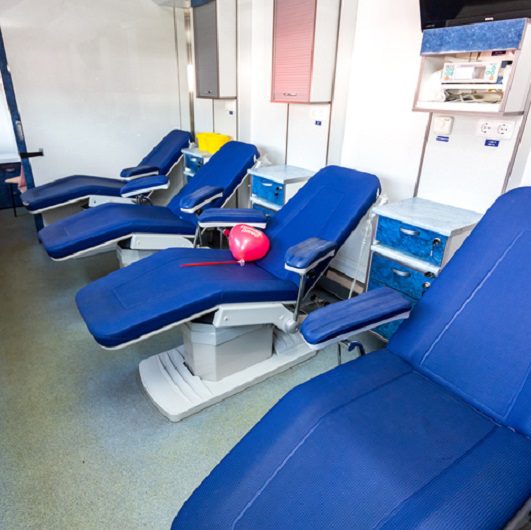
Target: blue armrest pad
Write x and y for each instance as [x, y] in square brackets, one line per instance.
[338, 321]
[143, 185]
[305, 254]
[138, 171]
[200, 197]
[232, 216]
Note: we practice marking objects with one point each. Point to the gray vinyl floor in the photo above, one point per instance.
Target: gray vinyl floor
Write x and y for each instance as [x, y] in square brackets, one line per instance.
[80, 445]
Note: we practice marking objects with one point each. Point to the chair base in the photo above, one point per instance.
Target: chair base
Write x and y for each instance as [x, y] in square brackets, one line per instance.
[178, 393]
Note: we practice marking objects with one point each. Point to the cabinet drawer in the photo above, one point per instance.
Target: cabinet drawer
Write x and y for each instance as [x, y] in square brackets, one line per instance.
[423, 244]
[268, 190]
[193, 163]
[408, 281]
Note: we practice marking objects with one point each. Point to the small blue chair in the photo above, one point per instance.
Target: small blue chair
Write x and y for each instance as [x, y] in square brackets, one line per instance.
[149, 175]
[108, 224]
[433, 431]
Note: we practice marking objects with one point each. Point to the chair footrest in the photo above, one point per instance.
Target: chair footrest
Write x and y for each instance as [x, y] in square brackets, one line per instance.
[338, 321]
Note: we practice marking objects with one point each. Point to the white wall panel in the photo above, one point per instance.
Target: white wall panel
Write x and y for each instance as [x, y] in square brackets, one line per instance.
[96, 81]
[225, 119]
[308, 135]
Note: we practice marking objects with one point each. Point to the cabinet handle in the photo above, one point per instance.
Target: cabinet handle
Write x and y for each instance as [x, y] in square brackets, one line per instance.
[290, 94]
[402, 274]
[267, 184]
[408, 232]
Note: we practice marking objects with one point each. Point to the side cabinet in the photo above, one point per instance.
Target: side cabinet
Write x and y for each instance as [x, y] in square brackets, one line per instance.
[215, 49]
[304, 50]
[414, 240]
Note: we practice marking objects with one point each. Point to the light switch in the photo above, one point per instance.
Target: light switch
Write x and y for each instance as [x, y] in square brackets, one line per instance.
[443, 124]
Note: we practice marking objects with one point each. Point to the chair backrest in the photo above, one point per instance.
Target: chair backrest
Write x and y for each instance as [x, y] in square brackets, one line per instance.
[329, 206]
[168, 151]
[471, 331]
[226, 169]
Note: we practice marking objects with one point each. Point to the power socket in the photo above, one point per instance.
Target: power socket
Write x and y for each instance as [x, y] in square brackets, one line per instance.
[496, 129]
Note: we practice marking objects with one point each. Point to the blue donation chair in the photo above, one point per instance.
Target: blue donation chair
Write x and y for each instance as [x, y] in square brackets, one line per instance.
[148, 176]
[239, 307]
[151, 227]
[433, 431]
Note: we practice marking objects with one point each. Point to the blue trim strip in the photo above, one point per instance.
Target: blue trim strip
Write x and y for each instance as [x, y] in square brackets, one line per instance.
[485, 36]
[15, 116]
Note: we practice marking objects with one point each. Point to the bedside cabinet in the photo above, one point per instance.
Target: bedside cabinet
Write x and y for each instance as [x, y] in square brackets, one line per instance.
[193, 160]
[414, 240]
[273, 186]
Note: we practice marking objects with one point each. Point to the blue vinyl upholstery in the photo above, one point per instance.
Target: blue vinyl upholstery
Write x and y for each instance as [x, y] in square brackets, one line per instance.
[329, 206]
[407, 437]
[108, 222]
[163, 156]
[233, 216]
[156, 292]
[199, 196]
[143, 184]
[349, 316]
[304, 254]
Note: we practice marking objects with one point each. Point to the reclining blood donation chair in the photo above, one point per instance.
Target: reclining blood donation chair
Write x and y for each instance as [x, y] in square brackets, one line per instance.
[146, 227]
[433, 431]
[134, 182]
[238, 322]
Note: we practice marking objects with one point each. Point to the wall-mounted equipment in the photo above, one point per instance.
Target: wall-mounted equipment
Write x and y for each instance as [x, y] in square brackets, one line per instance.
[215, 49]
[483, 68]
[304, 50]
[435, 13]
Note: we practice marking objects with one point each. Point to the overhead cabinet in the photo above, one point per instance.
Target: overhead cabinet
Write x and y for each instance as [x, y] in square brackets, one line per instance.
[215, 49]
[304, 50]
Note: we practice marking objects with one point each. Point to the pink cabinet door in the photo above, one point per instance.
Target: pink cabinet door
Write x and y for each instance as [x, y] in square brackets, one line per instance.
[293, 41]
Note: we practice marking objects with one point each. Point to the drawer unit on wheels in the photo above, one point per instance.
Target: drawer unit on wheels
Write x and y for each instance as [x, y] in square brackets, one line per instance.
[414, 240]
[273, 186]
[193, 160]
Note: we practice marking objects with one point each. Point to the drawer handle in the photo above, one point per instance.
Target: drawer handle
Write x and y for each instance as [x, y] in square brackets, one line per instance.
[290, 94]
[409, 232]
[402, 274]
[267, 184]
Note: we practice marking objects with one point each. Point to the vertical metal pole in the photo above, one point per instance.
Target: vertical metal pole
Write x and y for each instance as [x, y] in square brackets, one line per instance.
[300, 296]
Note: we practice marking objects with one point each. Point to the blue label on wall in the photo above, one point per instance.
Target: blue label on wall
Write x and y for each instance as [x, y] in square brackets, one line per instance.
[443, 138]
[492, 143]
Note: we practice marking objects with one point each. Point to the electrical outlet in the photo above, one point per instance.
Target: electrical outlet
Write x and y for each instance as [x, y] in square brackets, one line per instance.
[496, 129]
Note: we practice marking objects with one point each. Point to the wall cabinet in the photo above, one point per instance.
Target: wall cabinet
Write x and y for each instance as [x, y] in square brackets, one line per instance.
[215, 49]
[304, 50]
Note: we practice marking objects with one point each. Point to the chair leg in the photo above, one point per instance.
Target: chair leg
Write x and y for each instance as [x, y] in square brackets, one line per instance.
[339, 354]
[12, 189]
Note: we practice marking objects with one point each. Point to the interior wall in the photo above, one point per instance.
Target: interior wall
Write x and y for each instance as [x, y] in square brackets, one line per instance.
[96, 82]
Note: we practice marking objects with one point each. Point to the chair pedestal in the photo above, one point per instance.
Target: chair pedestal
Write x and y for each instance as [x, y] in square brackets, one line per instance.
[178, 393]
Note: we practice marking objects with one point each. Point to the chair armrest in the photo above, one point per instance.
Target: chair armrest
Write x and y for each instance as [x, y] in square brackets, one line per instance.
[337, 322]
[139, 171]
[199, 198]
[139, 186]
[306, 255]
[228, 217]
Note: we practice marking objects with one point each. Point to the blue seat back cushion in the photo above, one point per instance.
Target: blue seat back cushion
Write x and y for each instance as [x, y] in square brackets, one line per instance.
[328, 207]
[166, 153]
[226, 169]
[472, 330]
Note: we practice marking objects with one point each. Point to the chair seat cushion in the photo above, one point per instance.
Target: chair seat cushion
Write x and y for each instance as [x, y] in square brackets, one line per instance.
[106, 223]
[371, 444]
[68, 189]
[349, 316]
[157, 292]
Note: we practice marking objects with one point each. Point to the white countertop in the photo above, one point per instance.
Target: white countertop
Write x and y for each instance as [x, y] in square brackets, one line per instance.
[194, 151]
[282, 174]
[441, 218]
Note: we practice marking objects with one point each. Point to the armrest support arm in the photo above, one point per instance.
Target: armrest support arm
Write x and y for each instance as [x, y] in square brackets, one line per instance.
[198, 199]
[139, 171]
[306, 255]
[144, 185]
[229, 217]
